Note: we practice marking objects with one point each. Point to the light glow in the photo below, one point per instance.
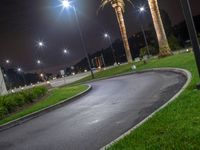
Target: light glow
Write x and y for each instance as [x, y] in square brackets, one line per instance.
[142, 9]
[106, 35]
[65, 3]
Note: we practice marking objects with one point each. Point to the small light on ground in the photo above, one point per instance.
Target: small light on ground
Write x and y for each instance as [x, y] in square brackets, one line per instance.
[133, 67]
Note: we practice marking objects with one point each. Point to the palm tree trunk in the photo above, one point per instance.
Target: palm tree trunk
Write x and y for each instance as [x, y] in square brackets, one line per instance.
[158, 24]
[120, 18]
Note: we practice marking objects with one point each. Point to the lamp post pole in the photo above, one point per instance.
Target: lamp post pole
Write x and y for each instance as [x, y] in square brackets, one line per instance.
[82, 42]
[106, 35]
[192, 32]
[142, 10]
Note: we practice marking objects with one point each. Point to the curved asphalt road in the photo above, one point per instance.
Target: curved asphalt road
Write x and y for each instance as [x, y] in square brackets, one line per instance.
[110, 109]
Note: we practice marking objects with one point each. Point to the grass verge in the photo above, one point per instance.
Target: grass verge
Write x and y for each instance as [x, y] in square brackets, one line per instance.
[177, 126]
[54, 97]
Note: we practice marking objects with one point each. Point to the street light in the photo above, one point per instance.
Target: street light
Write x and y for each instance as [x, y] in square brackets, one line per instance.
[21, 72]
[141, 11]
[7, 61]
[65, 51]
[66, 4]
[107, 36]
[192, 32]
[38, 62]
[40, 44]
[19, 69]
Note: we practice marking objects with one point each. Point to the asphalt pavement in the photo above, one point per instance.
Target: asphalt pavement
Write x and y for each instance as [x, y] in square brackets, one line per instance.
[111, 108]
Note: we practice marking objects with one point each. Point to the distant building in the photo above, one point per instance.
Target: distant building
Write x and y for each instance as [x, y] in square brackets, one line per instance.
[3, 89]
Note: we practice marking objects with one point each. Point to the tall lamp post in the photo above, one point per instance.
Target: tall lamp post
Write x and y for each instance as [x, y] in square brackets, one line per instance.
[192, 32]
[66, 4]
[107, 36]
[142, 10]
[20, 71]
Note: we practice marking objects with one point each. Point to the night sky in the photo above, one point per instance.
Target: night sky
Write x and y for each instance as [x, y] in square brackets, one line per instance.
[24, 22]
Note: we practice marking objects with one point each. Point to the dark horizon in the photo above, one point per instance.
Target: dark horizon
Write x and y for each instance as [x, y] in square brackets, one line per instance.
[23, 23]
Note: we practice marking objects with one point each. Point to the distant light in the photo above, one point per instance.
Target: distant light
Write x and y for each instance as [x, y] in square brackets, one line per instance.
[99, 67]
[66, 3]
[73, 73]
[12, 91]
[106, 35]
[22, 88]
[40, 44]
[7, 61]
[48, 82]
[38, 62]
[5, 75]
[41, 75]
[19, 69]
[85, 70]
[142, 9]
[65, 51]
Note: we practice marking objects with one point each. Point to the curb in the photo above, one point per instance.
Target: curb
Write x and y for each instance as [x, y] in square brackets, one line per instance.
[184, 72]
[176, 70]
[38, 113]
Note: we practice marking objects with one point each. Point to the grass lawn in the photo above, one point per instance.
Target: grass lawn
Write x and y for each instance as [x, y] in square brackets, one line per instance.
[177, 126]
[54, 97]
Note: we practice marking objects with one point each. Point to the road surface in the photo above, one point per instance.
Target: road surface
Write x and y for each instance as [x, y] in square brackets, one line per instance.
[94, 120]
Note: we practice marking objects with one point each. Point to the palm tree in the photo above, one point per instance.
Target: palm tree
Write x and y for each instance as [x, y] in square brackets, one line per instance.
[158, 24]
[118, 6]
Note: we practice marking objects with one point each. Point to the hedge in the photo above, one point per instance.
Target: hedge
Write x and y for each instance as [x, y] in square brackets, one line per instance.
[10, 103]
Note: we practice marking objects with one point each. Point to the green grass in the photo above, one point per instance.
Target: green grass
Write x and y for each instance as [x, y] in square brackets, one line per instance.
[54, 97]
[175, 127]
[178, 125]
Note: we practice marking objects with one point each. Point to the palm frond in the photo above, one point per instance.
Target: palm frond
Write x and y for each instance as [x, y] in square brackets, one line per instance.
[105, 2]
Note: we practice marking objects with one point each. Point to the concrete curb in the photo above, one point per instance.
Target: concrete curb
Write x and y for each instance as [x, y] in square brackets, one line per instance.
[43, 111]
[176, 70]
[132, 72]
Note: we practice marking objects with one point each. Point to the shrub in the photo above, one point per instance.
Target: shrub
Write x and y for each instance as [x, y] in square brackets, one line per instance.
[3, 111]
[174, 43]
[9, 103]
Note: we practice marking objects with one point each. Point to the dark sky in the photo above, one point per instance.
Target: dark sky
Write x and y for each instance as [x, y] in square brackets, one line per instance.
[24, 22]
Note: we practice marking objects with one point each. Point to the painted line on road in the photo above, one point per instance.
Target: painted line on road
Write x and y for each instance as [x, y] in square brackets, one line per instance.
[176, 70]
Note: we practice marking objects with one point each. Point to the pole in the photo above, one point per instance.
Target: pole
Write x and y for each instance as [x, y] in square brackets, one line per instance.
[113, 50]
[82, 42]
[192, 32]
[144, 35]
[145, 40]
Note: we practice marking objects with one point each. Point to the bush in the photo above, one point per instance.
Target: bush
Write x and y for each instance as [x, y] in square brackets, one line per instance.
[11, 102]
[173, 43]
[152, 51]
[3, 111]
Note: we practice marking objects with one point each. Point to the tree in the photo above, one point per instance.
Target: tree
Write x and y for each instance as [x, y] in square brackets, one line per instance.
[118, 6]
[164, 49]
